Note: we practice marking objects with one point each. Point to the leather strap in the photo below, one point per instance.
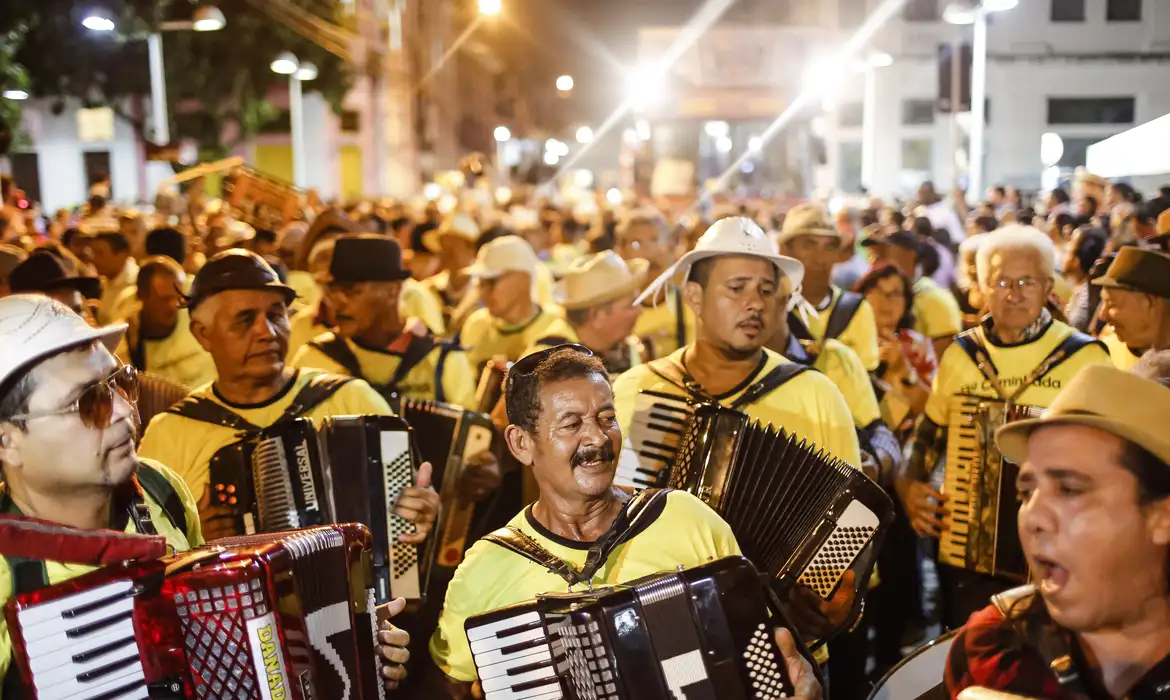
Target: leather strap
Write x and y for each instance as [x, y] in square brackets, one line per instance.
[315, 392]
[977, 352]
[335, 348]
[163, 493]
[842, 314]
[778, 377]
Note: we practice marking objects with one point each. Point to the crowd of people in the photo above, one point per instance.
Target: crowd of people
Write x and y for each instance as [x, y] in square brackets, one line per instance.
[137, 341]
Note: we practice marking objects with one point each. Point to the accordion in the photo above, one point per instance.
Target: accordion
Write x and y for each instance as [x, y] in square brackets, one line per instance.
[798, 513]
[450, 435]
[979, 530]
[660, 420]
[701, 633]
[259, 618]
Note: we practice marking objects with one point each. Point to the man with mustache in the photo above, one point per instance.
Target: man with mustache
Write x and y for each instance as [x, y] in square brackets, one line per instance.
[67, 429]
[1094, 522]
[1135, 292]
[239, 314]
[1018, 352]
[562, 424]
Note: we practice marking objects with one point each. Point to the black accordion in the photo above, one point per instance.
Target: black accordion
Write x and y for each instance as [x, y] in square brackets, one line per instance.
[797, 512]
[286, 615]
[706, 632]
[448, 436]
[979, 530]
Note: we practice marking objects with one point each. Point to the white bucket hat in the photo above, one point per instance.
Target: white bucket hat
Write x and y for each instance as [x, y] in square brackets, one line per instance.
[33, 327]
[734, 235]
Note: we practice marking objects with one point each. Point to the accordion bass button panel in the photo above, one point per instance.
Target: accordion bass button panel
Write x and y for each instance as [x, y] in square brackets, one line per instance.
[851, 533]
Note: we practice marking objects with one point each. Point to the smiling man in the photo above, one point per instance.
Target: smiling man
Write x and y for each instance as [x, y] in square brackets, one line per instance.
[564, 427]
[1094, 521]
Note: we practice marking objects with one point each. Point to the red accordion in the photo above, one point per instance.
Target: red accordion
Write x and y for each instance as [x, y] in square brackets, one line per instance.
[266, 617]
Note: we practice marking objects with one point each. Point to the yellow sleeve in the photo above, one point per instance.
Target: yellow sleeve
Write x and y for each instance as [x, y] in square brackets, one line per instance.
[704, 524]
[419, 303]
[448, 646]
[939, 314]
[938, 405]
[190, 505]
[843, 366]
[625, 396]
[5, 642]
[861, 336]
[459, 381]
[472, 337]
[160, 444]
[309, 357]
[357, 398]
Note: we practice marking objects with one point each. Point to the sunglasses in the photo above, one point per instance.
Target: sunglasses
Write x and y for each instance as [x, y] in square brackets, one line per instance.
[526, 365]
[95, 405]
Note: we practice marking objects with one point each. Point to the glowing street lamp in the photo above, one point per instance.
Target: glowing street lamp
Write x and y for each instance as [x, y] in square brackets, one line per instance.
[15, 95]
[565, 83]
[502, 134]
[285, 64]
[490, 8]
[98, 19]
[208, 18]
[584, 135]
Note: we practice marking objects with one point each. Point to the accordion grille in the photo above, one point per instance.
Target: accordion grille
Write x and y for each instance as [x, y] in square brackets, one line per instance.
[275, 503]
[398, 476]
[214, 622]
[590, 670]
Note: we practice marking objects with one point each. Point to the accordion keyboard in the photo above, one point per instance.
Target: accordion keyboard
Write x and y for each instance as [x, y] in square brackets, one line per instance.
[513, 656]
[660, 421]
[963, 467]
[83, 646]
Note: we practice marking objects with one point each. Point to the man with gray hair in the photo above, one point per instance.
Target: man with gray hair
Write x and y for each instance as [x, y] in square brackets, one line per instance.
[1020, 354]
[662, 328]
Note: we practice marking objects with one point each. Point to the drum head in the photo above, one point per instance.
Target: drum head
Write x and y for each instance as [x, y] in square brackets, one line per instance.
[919, 676]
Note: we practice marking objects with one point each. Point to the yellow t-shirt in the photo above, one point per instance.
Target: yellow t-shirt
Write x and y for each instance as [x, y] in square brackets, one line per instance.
[842, 366]
[416, 301]
[59, 572]
[187, 445]
[1123, 358]
[686, 533]
[936, 312]
[560, 329]
[486, 337]
[307, 289]
[303, 327]
[860, 335]
[177, 357]
[808, 406]
[657, 327]
[958, 374]
[378, 368]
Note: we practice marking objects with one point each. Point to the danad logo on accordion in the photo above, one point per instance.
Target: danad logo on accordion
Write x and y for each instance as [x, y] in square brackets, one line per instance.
[267, 655]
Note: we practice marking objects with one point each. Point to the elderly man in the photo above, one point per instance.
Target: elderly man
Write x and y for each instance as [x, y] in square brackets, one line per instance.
[936, 313]
[371, 342]
[119, 271]
[810, 237]
[734, 280]
[455, 242]
[239, 314]
[1135, 292]
[1018, 353]
[598, 295]
[45, 273]
[159, 340]
[564, 427]
[1094, 522]
[662, 328]
[67, 429]
[511, 320]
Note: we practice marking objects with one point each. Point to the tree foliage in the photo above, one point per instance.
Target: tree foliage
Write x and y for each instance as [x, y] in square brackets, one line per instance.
[218, 83]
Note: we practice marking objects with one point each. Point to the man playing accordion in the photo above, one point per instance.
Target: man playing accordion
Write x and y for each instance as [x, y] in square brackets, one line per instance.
[1020, 356]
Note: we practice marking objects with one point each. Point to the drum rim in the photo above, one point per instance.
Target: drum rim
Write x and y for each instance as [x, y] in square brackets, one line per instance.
[910, 657]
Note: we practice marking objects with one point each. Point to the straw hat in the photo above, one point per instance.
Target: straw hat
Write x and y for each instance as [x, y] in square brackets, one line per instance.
[599, 279]
[1138, 270]
[807, 219]
[1106, 398]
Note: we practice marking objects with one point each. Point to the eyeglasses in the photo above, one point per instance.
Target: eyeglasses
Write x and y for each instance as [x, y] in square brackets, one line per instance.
[1022, 285]
[95, 405]
[528, 364]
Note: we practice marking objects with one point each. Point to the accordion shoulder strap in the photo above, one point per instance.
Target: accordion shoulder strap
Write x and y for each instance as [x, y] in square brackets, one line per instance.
[971, 345]
[842, 314]
[205, 410]
[778, 377]
[798, 328]
[316, 391]
[335, 348]
[164, 493]
[628, 523]
[27, 574]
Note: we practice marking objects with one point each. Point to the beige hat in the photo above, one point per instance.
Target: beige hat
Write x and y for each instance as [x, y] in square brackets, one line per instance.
[461, 225]
[807, 219]
[505, 254]
[33, 327]
[1103, 397]
[600, 278]
[735, 235]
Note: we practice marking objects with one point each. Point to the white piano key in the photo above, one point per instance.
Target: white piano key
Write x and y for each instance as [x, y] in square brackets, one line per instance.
[496, 643]
[494, 664]
[73, 689]
[57, 651]
[545, 692]
[53, 609]
[57, 629]
[504, 682]
[492, 629]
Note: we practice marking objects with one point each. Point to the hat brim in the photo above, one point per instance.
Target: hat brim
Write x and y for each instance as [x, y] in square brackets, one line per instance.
[1107, 281]
[786, 236]
[481, 271]
[639, 268]
[791, 268]
[290, 294]
[1012, 439]
[395, 276]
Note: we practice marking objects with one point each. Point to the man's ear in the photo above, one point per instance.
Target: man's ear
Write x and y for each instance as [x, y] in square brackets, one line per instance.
[1158, 521]
[11, 439]
[693, 296]
[199, 331]
[519, 444]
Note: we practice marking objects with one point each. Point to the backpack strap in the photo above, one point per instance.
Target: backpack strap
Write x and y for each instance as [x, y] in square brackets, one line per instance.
[842, 314]
[445, 350]
[680, 319]
[205, 410]
[160, 489]
[797, 327]
[27, 575]
[415, 353]
[778, 377]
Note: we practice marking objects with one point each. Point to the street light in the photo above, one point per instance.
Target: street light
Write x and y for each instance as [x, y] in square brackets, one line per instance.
[208, 18]
[584, 135]
[297, 72]
[502, 134]
[565, 83]
[98, 19]
[490, 8]
[956, 14]
[15, 95]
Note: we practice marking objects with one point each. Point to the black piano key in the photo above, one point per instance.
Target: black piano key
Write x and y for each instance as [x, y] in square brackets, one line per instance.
[98, 625]
[120, 691]
[91, 654]
[106, 670]
[97, 604]
[519, 670]
[524, 646]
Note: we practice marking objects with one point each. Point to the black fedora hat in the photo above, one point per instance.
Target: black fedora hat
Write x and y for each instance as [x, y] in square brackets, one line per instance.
[44, 272]
[367, 257]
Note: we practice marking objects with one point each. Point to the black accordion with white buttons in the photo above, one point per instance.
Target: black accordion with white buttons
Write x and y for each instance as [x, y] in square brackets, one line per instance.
[797, 512]
[703, 633]
[287, 615]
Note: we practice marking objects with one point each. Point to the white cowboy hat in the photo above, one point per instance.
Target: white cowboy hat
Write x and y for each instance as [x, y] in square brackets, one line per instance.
[33, 327]
[735, 235]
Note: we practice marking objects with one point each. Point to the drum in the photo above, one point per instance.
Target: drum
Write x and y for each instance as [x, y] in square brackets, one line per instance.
[919, 676]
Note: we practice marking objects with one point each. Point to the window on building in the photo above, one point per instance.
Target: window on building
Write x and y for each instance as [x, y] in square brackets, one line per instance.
[851, 13]
[281, 123]
[1091, 110]
[27, 172]
[1076, 151]
[916, 163]
[1068, 10]
[850, 115]
[1123, 10]
[849, 174]
[921, 11]
[917, 112]
[97, 168]
[351, 121]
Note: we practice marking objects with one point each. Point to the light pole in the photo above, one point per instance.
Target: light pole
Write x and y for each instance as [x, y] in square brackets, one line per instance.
[869, 117]
[977, 16]
[502, 135]
[297, 72]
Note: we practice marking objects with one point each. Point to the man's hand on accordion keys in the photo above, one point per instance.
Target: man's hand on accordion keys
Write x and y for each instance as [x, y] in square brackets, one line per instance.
[392, 644]
[480, 477]
[800, 671]
[420, 505]
[924, 506]
[216, 521]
